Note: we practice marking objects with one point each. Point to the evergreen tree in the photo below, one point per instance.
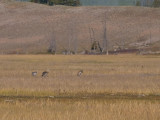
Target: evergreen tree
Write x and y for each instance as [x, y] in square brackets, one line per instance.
[138, 3]
[58, 2]
[156, 3]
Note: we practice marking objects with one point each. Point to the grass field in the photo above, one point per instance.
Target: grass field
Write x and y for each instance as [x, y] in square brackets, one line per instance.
[80, 110]
[102, 74]
[64, 95]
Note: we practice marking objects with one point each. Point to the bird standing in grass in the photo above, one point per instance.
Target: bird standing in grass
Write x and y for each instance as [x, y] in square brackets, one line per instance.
[142, 66]
[80, 73]
[34, 73]
[45, 74]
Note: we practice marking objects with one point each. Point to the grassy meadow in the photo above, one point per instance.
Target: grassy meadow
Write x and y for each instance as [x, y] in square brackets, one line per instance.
[80, 110]
[102, 74]
[99, 94]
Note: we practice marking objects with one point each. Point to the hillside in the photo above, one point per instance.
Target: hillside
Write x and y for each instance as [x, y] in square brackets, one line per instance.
[29, 28]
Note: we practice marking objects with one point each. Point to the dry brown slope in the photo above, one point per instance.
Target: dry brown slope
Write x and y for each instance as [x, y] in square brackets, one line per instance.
[28, 27]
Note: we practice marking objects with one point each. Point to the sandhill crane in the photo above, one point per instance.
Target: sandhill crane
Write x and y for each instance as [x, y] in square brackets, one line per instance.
[45, 74]
[34, 73]
[80, 73]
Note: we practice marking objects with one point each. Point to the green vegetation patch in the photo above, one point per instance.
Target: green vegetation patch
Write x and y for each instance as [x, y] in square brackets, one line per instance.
[58, 2]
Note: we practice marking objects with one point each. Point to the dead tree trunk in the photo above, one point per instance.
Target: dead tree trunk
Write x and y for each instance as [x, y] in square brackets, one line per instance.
[75, 43]
[92, 38]
[52, 45]
[105, 40]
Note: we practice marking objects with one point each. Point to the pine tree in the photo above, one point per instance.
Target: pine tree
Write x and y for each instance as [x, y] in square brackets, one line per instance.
[156, 3]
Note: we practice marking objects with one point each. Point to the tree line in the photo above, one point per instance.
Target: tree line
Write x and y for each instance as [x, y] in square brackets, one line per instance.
[151, 3]
[58, 2]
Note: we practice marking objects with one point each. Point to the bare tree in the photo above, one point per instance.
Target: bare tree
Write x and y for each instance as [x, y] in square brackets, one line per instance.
[150, 33]
[74, 36]
[69, 44]
[92, 37]
[72, 48]
[105, 40]
[52, 44]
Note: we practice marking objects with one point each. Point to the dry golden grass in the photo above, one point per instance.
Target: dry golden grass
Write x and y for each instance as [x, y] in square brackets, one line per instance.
[120, 74]
[80, 110]
[102, 74]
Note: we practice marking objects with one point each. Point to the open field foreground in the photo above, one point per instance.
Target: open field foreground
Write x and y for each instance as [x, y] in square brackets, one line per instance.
[130, 74]
[114, 87]
[80, 110]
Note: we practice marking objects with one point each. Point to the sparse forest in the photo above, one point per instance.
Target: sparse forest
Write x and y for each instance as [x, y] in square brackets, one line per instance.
[156, 3]
[149, 3]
